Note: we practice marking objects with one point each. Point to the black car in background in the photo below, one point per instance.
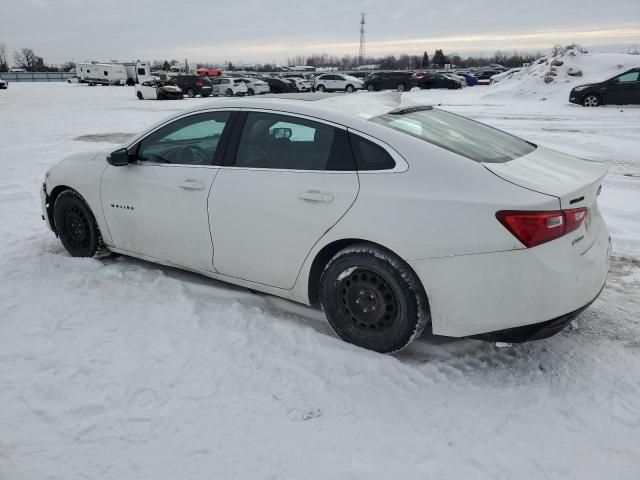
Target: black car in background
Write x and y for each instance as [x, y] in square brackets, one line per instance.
[484, 76]
[622, 89]
[437, 80]
[277, 85]
[3, 84]
[192, 85]
[399, 81]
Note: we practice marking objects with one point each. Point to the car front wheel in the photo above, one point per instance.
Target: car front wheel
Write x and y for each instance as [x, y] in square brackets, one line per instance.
[373, 299]
[229, 92]
[76, 226]
[400, 87]
[139, 95]
[370, 88]
[349, 89]
[251, 92]
[591, 100]
[191, 93]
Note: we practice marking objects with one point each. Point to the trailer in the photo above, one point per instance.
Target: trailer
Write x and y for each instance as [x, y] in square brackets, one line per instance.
[114, 73]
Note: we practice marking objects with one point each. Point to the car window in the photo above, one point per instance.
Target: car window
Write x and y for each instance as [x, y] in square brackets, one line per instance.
[192, 140]
[627, 77]
[284, 142]
[457, 134]
[370, 156]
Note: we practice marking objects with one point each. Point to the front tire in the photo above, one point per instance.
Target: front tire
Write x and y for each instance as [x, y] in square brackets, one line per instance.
[251, 92]
[400, 87]
[349, 89]
[76, 226]
[191, 93]
[321, 88]
[373, 299]
[229, 92]
[139, 95]
[370, 88]
[591, 100]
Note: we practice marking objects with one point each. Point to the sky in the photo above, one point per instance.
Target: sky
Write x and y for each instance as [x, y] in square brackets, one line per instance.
[249, 31]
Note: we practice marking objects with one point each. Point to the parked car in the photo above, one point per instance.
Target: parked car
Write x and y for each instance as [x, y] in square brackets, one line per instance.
[278, 85]
[208, 72]
[469, 78]
[458, 78]
[192, 85]
[399, 81]
[620, 90]
[74, 79]
[3, 84]
[335, 82]
[229, 86]
[438, 80]
[493, 237]
[299, 83]
[484, 76]
[156, 90]
[255, 86]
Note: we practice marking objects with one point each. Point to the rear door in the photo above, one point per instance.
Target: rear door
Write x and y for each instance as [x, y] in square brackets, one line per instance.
[623, 89]
[287, 181]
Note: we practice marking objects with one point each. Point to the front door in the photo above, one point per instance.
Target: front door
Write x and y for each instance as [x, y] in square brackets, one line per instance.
[291, 180]
[157, 205]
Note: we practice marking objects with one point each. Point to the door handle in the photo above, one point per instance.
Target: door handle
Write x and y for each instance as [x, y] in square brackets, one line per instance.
[190, 184]
[316, 196]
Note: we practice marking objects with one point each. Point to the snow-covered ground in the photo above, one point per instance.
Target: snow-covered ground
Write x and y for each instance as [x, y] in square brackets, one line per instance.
[121, 369]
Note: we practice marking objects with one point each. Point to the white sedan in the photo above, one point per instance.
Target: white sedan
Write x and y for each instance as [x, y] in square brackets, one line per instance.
[255, 86]
[393, 217]
[228, 86]
[334, 82]
[156, 90]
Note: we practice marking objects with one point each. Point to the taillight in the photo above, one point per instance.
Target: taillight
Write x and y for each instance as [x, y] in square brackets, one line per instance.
[199, 84]
[535, 228]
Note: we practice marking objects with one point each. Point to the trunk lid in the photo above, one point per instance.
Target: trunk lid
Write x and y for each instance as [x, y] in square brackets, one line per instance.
[574, 181]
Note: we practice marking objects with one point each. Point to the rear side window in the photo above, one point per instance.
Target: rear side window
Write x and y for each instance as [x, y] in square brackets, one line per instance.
[370, 156]
[457, 134]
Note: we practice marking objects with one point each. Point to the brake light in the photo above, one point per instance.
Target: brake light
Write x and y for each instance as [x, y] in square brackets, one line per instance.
[535, 228]
[199, 84]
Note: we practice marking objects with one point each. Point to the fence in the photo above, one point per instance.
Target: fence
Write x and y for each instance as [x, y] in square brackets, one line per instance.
[36, 76]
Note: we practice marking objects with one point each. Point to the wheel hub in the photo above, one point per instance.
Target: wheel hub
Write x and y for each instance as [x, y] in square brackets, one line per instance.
[368, 300]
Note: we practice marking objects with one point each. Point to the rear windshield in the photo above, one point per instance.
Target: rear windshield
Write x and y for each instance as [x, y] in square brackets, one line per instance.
[457, 134]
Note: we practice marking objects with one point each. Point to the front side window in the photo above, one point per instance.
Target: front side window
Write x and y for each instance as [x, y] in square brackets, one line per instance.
[627, 77]
[292, 143]
[141, 71]
[457, 134]
[192, 140]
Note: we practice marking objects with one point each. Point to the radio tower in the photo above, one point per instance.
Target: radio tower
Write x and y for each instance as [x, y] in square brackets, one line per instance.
[361, 54]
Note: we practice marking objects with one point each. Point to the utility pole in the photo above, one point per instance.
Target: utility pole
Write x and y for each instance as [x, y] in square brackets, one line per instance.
[361, 54]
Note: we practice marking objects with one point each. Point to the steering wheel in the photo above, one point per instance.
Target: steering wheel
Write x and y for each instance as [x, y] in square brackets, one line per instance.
[192, 154]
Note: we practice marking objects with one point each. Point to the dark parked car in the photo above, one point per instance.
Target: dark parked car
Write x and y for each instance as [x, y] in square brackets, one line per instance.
[484, 76]
[192, 85]
[437, 80]
[277, 85]
[396, 80]
[620, 90]
[3, 84]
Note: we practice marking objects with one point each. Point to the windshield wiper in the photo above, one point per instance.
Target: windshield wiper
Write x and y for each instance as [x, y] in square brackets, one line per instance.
[404, 110]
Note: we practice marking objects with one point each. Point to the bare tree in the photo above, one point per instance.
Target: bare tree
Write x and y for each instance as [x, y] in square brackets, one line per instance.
[26, 59]
[3, 58]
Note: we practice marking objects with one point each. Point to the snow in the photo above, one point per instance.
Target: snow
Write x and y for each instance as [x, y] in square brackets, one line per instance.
[118, 368]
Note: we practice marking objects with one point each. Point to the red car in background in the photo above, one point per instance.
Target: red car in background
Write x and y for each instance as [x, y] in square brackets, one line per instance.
[208, 72]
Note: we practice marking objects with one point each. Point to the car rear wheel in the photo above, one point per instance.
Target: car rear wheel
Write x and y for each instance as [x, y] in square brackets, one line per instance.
[400, 87]
[373, 299]
[139, 95]
[370, 88]
[321, 88]
[76, 226]
[591, 100]
[191, 93]
[229, 92]
[251, 92]
[349, 89]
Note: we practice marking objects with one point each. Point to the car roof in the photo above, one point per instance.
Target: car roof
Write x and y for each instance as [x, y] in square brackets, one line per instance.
[352, 110]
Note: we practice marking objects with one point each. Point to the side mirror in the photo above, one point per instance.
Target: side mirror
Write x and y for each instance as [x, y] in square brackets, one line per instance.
[119, 158]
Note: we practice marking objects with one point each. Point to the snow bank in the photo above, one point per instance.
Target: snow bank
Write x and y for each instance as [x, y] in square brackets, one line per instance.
[529, 83]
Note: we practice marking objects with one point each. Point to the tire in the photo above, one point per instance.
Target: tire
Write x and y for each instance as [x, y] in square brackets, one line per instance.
[76, 226]
[321, 88]
[591, 100]
[251, 92]
[373, 299]
[229, 92]
[400, 87]
[191, 93]
[139, 95]
[349, 89]
[370, 88]
[204, 95]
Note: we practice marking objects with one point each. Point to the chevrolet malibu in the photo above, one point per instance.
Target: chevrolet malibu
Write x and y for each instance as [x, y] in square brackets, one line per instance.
[392, 216]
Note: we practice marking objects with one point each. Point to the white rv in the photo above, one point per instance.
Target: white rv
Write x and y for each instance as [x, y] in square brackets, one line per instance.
[96, 73]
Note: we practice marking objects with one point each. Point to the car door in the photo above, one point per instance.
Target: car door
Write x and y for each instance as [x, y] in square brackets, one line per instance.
[287, 180]
[340, 82]
[157, 205]
[623, 89]
[149, 90]
[215, 86]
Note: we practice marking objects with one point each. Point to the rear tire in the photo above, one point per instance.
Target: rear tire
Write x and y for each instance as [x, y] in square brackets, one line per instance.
[251, 92]
[591, 100]
[139, 95]
[229, 92]
[370, 88]
[373, 299]
[400, 87]
[76, 226]
[349, 89]
[321, 88]
[191, 93]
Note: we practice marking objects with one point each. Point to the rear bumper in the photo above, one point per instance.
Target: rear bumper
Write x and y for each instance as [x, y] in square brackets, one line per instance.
[489, 292]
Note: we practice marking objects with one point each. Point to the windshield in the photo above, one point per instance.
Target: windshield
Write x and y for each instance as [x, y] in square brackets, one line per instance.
[457, 134]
